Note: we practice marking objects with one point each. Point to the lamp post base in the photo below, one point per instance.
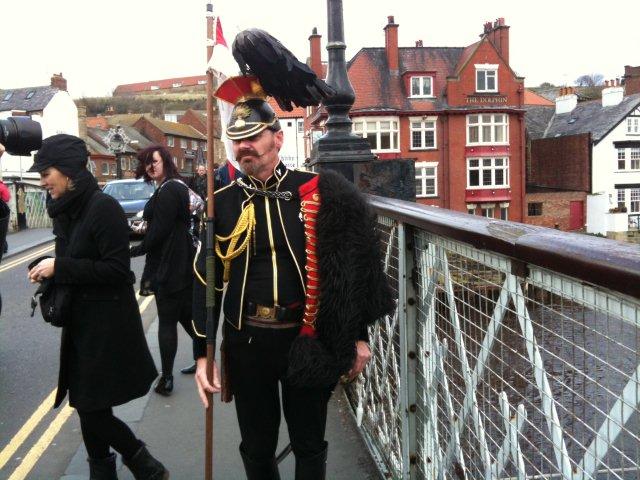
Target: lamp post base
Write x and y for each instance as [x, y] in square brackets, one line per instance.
[343, 153]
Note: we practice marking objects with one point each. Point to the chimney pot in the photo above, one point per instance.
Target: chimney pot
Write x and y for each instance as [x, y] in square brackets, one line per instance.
[418, 43]
[314, 31]
[390, 19]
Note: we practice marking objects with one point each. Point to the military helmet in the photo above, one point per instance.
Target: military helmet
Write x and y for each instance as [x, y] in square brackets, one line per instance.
[251, 113]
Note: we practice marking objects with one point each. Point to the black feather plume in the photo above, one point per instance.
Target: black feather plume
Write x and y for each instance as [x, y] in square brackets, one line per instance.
[281, 74]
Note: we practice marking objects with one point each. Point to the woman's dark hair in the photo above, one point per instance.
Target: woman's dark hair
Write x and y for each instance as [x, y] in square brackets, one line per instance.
[145, 157]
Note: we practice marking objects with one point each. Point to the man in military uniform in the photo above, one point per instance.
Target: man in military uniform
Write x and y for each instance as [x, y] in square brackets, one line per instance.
[299, 260]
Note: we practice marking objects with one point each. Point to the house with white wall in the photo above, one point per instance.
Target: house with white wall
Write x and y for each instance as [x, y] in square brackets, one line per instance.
[600, 139]
[51, 105]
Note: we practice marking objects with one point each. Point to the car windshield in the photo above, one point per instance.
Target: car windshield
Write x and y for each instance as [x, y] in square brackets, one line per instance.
[129, 190]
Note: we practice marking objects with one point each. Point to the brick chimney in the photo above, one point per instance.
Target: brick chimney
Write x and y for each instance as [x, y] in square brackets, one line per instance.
[631, 80]
[613, 93]
[498, 34]
[566, 101]
[391, 43]
[315, 52]
[59, 82]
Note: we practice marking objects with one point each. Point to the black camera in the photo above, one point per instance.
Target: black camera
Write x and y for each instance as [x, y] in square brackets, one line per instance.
[20, 135]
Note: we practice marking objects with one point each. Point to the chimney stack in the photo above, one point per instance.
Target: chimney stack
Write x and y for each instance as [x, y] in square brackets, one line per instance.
[315, 52]
[566, 101]
[59, 82]
[419, 43]
[631, 80]
[612, 93]
[391, 44]
[498, 34]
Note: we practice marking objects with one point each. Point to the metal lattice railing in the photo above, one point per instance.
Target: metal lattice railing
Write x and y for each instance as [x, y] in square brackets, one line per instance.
[34, 207]
[496, 368]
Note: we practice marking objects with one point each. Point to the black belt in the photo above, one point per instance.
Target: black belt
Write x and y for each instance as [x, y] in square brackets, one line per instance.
[267, 313]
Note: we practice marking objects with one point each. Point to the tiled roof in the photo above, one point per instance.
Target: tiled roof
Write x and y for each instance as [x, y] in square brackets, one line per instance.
[18, 99]
[584, 118]
[532, 98]
[377, 90]
[465, 56]
[177, 129]
[297, 112]
[95, 147]
[163, 84]
[127, 119]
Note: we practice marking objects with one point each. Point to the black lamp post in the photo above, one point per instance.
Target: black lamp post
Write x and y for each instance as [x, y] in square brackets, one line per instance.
[339, 148]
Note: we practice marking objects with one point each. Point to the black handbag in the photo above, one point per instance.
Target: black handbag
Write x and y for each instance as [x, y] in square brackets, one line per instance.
[55, 299]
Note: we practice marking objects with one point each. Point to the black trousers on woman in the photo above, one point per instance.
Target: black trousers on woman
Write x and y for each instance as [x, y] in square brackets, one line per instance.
[101, 430]
[173, 308]
[257, 364]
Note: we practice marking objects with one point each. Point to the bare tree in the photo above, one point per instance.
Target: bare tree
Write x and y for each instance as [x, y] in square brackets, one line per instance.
[590, 80]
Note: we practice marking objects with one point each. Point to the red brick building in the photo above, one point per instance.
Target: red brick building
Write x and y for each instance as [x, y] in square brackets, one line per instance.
[181, 140]
[193, 84]
[456, 111]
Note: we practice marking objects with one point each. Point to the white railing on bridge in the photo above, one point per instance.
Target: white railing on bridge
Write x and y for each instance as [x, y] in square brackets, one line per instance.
[514, 352]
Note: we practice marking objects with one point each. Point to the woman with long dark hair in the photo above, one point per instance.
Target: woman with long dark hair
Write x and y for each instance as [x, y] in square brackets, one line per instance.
[169, 249]
[104, 358]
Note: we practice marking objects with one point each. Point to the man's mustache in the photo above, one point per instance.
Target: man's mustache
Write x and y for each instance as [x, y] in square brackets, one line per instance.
[247, 151]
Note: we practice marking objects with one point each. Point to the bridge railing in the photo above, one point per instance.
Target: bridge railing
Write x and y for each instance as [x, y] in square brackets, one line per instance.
[514, 352]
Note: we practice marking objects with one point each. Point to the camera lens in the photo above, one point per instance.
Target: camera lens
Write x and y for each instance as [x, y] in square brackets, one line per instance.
[20, 135]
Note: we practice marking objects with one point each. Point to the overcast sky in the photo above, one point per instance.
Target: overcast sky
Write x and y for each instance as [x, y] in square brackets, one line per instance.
[98, 45]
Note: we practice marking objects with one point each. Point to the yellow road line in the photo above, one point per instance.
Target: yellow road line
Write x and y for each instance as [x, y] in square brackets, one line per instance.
[47, 437]
[26, 429]
[25, 259]
[39, 448]
[145, 303]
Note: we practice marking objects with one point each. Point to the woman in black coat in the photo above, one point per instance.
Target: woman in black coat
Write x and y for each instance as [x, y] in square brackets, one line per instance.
[104, 358]
[169, 249]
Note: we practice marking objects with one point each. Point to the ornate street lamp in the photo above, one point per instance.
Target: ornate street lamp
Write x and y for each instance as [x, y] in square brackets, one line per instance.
[117, 141]
[339, 148]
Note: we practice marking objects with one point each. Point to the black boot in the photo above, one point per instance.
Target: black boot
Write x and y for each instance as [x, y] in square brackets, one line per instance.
[103, 468]
[145, 467]
[259, 470]
[164, 386]
[189, 370]
[312, 468]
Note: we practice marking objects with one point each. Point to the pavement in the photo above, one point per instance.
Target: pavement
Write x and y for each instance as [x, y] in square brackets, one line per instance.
[25, 239]
[173, 427]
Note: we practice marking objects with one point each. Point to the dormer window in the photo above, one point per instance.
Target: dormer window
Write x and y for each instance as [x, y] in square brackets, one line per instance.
[487, 78]
[422, 86]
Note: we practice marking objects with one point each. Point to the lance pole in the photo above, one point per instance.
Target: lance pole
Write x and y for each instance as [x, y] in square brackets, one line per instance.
[210, 263]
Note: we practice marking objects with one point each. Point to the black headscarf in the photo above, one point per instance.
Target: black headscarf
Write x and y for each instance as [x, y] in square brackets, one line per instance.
[69, 155]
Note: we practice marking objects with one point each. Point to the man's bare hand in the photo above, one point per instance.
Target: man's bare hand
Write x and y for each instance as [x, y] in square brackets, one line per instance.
[203, 383]
[363, 355]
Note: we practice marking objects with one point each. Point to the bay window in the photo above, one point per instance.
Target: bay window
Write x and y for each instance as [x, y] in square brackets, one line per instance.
[380, 132]
[487, 129]
[487, 172]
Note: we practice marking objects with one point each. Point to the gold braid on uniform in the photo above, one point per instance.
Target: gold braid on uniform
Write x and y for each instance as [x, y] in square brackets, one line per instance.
[246, 225]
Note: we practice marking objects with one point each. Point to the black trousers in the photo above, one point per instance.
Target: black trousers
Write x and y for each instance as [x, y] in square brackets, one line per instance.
[101, 430]
[173, 308]
[257, 364]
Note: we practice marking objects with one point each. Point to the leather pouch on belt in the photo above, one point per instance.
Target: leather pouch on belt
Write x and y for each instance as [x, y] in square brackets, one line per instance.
[226, 394]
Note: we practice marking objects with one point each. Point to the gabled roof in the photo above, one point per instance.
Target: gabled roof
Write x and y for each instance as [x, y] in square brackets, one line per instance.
[584, 118]
[18, 99]
[95, 147]
[377, 90]
[163, 84]
[297, 112]
[532, 98]
[177, 129]
[127, 119]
